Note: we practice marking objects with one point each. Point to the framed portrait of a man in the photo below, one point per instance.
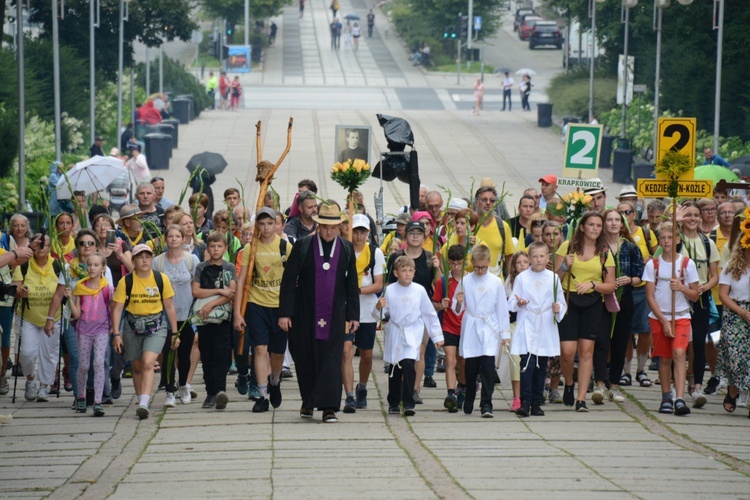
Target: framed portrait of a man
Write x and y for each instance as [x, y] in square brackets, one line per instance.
[352, 143]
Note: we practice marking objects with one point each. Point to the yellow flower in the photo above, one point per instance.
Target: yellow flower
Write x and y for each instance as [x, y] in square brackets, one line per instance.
[358, 163]
[343, 167]
[745, 241]
[746, 213]
[357, 167]
[587, 199]
[366, 167]
[745, 225]
[559, 206]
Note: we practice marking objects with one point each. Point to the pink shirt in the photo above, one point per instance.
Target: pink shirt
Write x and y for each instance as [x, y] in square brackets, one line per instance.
[95, 318]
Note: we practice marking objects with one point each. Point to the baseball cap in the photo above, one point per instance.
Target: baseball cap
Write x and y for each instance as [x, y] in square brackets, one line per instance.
[140, 248]
[403, 218]
[415, 225]
[361, 220]
[265, 211]
[549, 179]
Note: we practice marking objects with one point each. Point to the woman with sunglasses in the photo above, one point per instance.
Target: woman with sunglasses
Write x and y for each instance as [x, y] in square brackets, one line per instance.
[612, 345]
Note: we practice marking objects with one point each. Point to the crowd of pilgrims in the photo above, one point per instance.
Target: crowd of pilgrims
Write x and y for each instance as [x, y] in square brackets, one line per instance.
[536, 299]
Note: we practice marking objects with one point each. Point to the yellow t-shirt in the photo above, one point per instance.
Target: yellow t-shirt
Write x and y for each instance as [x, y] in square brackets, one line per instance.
[640, 241]
[696, 250]
[268, 272]
[721, 242]
[498, 246]
[584, 271]
[429, 244]
[41, 290]
[453, 240]
[144, 298]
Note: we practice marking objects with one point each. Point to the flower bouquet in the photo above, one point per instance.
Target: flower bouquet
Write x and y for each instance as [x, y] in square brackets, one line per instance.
[572, 205]
[350, 175]
[745, 228]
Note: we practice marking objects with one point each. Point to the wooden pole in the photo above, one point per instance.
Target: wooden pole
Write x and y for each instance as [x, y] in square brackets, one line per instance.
[264, 176]
[674, 256]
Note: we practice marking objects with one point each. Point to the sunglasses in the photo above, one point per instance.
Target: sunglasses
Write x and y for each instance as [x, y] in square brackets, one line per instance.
[86, 243]
[157, 179]
[627, 212]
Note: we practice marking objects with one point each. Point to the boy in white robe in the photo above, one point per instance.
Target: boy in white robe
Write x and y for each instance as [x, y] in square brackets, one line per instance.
[410, 311]
[484, 327]
[539, 299]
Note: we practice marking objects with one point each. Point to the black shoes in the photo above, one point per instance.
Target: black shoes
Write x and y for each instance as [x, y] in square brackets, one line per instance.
[116, 385]
[429, 382]
[524, 410]
[274, 394]
[536, 411]
[260, 406]
[568, 396]
[581, 407]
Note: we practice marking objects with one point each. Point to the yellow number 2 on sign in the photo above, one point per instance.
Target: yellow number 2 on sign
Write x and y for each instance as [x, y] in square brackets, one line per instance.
[677, 134]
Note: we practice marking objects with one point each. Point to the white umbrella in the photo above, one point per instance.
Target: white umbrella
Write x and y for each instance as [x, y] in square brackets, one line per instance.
[90, 176]
[526, 71]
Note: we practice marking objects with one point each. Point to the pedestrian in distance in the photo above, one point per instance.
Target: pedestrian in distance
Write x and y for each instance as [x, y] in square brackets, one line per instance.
[507, 90]
[478, 96]
[370, 23]
[525, 88]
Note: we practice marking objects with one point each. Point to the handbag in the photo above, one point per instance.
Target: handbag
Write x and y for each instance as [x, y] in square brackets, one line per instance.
[217, 314]
[611, 303]
[145, 326]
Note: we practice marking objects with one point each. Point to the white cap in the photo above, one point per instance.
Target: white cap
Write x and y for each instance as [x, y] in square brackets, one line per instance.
[457, 204]
[361, 220]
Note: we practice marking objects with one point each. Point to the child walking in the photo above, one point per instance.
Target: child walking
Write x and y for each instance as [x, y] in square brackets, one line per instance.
[90, 304]
[215, 279]
[484, 327]
[410, 312]
[539, 300]
[518, 264]
[668, 345]
[451, 325]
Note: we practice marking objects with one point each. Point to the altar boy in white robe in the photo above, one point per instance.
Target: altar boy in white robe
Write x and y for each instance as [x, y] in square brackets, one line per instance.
[409, 312]
[486, 324]
[539, 299]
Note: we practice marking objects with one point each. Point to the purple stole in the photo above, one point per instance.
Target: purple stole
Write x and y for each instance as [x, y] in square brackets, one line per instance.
[325, 285]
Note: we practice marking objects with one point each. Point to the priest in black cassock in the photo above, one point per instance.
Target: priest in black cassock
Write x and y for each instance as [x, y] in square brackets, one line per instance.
[319, 297]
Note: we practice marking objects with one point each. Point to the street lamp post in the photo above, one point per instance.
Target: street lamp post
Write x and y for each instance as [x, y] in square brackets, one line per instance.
[719, 25]
[592, 13]
[659, 6]
[124, 10]
[93, 23]
[56, 81]
[21, 109]
[626, 6]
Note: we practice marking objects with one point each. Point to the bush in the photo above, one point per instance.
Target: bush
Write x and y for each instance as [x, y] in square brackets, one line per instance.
[569, 92]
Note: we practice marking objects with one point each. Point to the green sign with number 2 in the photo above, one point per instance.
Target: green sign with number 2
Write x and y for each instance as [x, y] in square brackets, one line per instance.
[582, 147]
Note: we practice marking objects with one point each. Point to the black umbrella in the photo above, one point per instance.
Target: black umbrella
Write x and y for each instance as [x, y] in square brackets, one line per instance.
[213, 163]
[351, 17]
[741, 169]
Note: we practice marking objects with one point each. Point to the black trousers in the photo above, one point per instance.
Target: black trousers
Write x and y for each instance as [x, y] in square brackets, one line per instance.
[701, 317]
[215, 343]
[532, 378]
[401, 383]
[507, 96]
[484, 366]
[615, 345]
[187, 336]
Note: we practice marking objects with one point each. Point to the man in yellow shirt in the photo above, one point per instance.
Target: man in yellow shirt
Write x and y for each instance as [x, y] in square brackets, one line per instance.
[500, 245]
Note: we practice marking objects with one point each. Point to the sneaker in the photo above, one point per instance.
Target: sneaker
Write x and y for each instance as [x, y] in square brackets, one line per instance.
[581, 407]
[221, 400]
[417, 398]
[127, 372]
[440, 364]
[616, 396]
[107, 400]
[116, 386]
[515, 405]
[429, 382]
[524, 410]
[42, 396]
[536, 411]
[680, 408]
[142, 412]
[742, 399]
[410, 411]
[699, 400]
[554, 396]
[597, 396]
[233, 368]
[394, 410]
[286, 372]
[451, 403]
[31, 390]
[184, 395]
[253, 393]
[361, 393]
[350, 406]
[460, 397]
[712, 385]
[306, 412]
[487, 412]
[274, 394]
[261, 406]
[569, 398]
[241, 384]
[80, 405]
[169, 401]
[4, 385]
[193, 394]
[329, 417]
[67, 384]
[209, 402]
[98, 410]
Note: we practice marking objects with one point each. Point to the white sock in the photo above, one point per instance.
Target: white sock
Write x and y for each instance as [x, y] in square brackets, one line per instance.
[143, 399]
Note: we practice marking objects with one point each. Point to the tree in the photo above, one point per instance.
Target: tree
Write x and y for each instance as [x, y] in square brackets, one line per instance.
[234, 10]
[149, 22]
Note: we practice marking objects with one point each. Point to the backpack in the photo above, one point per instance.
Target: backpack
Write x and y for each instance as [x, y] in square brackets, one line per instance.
[647, 236]
[25, 268]
[129, 287]
[501, 230]
[706, 246]
[683, 267]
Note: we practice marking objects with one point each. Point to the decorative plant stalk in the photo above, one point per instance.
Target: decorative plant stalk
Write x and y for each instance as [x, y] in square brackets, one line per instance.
[82, 220]
[618, 291]
[195, 172]
[176, 335]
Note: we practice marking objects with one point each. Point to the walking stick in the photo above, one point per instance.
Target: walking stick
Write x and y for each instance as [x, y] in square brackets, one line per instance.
[59, 350]
[266, 169]
[18, 350]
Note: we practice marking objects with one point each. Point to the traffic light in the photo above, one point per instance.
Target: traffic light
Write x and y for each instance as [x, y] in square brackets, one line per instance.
[463, 24]
[453, 33]
[446, 32]
[230, 29]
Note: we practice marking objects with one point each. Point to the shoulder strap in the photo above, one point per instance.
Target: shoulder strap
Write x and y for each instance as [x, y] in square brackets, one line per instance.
[160, 285]
[706, 245]
[501, 230]
[282, 251]
[188, 256]
[128, 289]
[373, 247]
[713, 235]
[647, 236]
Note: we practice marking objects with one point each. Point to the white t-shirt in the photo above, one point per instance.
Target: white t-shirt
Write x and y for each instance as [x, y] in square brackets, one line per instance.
[739, 290]
[663, 293]
[367, 302]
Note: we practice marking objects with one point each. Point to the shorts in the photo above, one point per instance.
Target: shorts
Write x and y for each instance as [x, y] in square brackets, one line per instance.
[640, 315]
[349, 337]
[263, 328]
[584, 319]
[135, 345]
[364, 337]
[450, 339]
[664, 345]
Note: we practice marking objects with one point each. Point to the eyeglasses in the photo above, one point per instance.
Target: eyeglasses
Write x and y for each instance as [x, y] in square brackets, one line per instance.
[708, 209]
[726, 214]
[487, 200]
[434, 207]
[481, 268]
[86, 243]
[627, 212]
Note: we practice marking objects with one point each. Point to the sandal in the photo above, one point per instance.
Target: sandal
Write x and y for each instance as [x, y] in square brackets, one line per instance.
[626, 379]
[157, 367]
[643, 379]
[666, 407]
[730, 403]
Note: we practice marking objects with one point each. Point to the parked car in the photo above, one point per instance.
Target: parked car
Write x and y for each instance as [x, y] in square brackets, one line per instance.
[524, 30]
[579, 46]
[523, 11]
[545, 33]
